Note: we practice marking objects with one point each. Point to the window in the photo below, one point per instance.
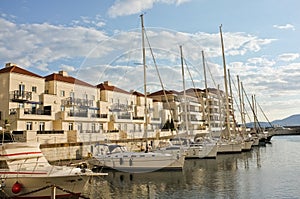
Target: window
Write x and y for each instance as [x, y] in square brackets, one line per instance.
[70, 126]
[62, 93]
[34, 89]
[21, 88]
[3, 164]
[93, 127]
[21, 105]
[79, 127]
[72, 94]
[42, 126]
[28, 126]
[62, 108]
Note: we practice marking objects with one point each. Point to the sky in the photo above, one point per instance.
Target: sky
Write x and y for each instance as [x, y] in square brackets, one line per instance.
[97, 41]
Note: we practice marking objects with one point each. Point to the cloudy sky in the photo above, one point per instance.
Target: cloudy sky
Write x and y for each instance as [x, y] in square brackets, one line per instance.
[97, 41]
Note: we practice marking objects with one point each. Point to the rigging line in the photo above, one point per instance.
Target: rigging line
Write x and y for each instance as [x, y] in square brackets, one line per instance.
[159, 77]
[194, 86]
[210, 73]
[236, 102]
[264, 114]
[252, 109]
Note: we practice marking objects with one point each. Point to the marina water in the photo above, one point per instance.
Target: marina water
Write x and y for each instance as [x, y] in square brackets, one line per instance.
[271, 171]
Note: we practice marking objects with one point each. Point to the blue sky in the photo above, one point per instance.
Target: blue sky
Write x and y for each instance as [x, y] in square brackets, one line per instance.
[97, 41]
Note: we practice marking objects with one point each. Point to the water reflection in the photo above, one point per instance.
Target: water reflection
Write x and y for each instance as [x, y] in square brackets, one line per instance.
[264, 172]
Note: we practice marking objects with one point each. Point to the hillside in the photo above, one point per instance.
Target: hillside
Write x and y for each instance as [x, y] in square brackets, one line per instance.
[293, 120]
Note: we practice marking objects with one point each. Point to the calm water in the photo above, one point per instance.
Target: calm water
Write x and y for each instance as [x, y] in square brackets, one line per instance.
[265, 172]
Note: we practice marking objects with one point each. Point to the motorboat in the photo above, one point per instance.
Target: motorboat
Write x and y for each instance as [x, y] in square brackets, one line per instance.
[26, 173]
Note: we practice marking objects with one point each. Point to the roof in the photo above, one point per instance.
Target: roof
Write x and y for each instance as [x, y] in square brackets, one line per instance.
[67, 79]
[161, 92]
[16, 69]
[106, 86]
[138, 94]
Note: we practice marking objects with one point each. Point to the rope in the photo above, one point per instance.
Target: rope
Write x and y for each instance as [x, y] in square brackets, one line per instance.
[48, 186]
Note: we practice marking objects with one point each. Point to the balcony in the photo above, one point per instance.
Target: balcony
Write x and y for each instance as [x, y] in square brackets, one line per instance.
[70, 102]
[20, 96]
[30, 114]
[77, 114]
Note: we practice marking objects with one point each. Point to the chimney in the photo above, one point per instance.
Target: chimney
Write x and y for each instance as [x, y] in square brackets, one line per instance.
[63, 73]
[107, 83]
[9, 64]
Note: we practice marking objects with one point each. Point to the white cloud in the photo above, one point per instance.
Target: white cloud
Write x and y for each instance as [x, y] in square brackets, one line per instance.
[40, 44]
[67, 68]
[285, 27]
[129, 7]
[287, 57]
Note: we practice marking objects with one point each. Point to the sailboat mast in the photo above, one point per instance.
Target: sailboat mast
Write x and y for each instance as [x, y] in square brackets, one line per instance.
[225, 83]
[184, 92]
[206, 93]
[145, 81]
[231, 103]
[241, 102]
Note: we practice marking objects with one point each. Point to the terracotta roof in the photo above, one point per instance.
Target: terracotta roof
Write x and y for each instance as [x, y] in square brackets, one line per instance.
[104, 86]
[68, 79]
[161, 92]
[16, 69]
[138, 94]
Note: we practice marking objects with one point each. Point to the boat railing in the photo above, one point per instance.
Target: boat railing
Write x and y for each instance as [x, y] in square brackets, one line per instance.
[43, 168]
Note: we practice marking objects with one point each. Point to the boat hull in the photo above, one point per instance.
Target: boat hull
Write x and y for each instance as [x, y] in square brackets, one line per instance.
[229, 147]
[43, 187]
[144, 162]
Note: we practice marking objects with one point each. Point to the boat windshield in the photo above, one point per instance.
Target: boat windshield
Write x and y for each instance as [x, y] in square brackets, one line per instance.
[6, 137]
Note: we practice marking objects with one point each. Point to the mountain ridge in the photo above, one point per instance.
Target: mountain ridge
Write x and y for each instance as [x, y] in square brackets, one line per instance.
[293, 120]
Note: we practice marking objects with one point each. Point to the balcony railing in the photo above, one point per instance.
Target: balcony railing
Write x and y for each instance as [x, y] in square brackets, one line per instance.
[51, 132]
[37, 111]
[77, 114]
[18, 95]
[70, 101]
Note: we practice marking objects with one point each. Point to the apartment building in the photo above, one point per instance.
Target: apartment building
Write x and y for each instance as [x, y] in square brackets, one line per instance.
[22, 109]
[59, 108]
[127, 112]
[77, 107]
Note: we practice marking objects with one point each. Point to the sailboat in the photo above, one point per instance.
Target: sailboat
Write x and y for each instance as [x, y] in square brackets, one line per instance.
[119, 158]
[26, 173]
[227, 143]
[190, 145]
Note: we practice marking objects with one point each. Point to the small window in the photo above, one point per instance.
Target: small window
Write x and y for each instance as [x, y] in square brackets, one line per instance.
[42, 126]
[28, 125]
[70, 126]
[3, 164]
[34, 89]
[62, 93]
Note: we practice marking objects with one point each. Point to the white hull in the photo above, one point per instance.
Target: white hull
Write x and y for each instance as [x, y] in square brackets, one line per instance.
[24, 167]
[199, 151]
[135, 162]
[230, 147]
[73, 184]
[246, 145]
[213, 152]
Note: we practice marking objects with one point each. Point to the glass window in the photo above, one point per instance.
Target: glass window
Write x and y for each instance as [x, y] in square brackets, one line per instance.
[62, 93]
[70, 126]
[42, 126]
[34, 89]
[28, 125]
